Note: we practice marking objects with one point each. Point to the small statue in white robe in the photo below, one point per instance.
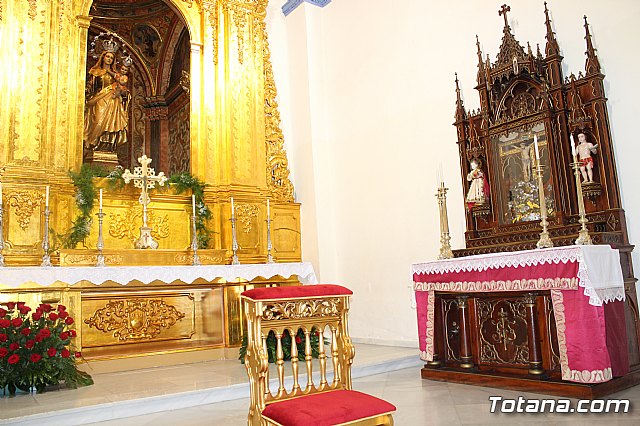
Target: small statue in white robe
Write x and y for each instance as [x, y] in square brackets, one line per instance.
[479, 189]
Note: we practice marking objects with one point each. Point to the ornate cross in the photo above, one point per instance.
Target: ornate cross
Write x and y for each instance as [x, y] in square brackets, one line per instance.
[144, 177]
[503, 11]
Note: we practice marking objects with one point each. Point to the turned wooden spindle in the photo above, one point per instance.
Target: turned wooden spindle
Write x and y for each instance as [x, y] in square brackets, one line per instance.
[322, 358]
[466, 360]
[294, 361]
[535, 353]
[280, 362]
[334, 355]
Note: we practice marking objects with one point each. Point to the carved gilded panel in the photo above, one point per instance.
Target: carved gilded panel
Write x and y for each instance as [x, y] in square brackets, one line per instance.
[136, 319]
[125, 321]
[315, 308]
[248, 229]
[127, 225]
[23, 219]
[285, 233]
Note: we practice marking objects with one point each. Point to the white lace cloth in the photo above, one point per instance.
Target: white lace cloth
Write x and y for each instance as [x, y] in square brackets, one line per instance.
[16, 276]
[599, 270]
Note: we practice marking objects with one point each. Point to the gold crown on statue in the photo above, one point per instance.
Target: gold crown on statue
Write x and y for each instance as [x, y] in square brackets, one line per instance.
[110, 45]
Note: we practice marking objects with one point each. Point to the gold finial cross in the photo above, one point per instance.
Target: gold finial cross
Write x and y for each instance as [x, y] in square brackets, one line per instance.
[144, 177]
[503, 11]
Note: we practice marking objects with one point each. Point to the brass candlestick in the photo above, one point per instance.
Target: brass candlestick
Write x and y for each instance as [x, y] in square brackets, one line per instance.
[445, 238]
[234, 243]
[269, 245]
[46, 259]
[194, 242]
[583, 234]
[545, 240]
[100, 243]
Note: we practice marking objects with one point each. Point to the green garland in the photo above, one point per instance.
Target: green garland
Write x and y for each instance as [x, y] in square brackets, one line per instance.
[272, 345]
[86, 193]
[184, 181]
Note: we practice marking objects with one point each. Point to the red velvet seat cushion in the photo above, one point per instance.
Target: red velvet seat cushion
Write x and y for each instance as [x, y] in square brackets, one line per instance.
[327, 408]
[300, 291]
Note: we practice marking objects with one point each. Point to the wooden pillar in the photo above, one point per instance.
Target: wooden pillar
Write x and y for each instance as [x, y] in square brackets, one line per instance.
[157, 135]
[535, 354]
[466, 360]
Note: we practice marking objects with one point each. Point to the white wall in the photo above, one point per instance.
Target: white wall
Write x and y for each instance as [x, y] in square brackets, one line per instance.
[367, 100]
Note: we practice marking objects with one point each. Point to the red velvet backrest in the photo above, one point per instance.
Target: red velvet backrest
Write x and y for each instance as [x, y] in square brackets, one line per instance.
[296, 292]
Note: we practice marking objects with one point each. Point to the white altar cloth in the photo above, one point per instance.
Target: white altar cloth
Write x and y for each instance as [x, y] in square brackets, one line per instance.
[16, 276]
[599, 271]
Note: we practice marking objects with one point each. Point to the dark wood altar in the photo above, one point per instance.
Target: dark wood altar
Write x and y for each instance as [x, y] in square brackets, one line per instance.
[524, 94]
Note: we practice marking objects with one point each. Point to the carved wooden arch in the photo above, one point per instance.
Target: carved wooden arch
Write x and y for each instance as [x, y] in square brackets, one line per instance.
[525, 95]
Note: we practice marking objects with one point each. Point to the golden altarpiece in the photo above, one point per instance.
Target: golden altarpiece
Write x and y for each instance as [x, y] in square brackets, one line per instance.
[227, 104]
[530, 115]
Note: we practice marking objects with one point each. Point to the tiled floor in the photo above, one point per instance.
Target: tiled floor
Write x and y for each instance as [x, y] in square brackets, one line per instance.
[129, 393]
[419, 402]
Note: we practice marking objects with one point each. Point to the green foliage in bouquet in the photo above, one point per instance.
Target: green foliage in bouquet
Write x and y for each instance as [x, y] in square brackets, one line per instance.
[34, 349]
[185, 181]
[85, 197]
[272, 344]
[86, 193]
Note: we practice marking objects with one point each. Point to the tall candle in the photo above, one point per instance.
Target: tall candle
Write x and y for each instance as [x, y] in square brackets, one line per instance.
[193, 203]
[46, 199]
[268, 210]
[573, 146]
[100, 199]
[535, 143]
[232, 209]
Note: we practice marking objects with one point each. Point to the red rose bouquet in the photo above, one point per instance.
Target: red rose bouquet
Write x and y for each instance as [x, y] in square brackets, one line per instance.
[34, 348]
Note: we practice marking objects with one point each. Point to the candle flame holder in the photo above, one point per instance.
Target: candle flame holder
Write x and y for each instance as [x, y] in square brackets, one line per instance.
[46, 259]
[445, 238]
[234, 244]
[545, 240]
[194, 242]
[100, 243]
[583, 235]
[269, 245]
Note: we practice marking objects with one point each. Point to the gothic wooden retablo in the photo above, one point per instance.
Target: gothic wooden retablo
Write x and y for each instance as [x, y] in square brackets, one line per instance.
[524, 94]
[529, 116]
